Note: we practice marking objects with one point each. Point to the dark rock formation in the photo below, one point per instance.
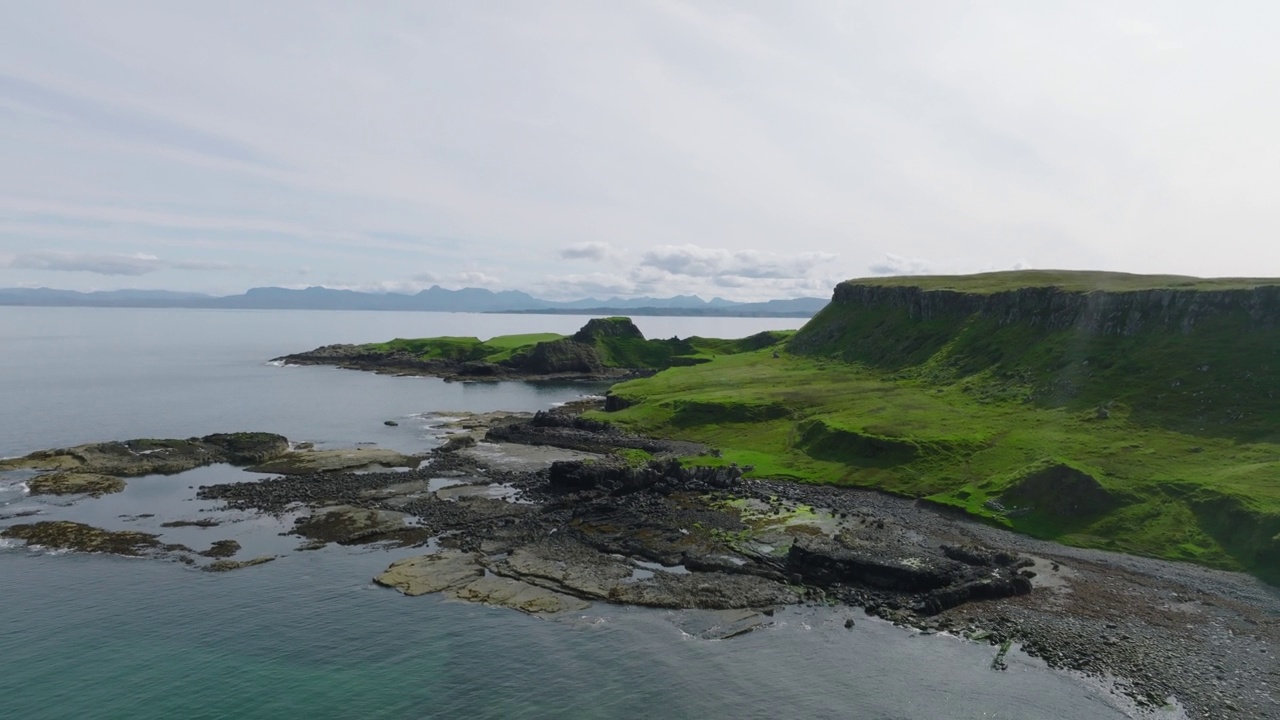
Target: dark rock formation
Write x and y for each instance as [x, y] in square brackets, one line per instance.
[934, 581]
[663, 477]
[67, 535]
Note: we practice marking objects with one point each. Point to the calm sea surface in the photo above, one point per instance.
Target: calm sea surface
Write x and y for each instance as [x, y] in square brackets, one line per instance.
[85, 636]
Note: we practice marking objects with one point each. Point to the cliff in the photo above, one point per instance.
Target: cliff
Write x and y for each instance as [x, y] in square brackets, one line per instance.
[1090, 311]
[1195, 355]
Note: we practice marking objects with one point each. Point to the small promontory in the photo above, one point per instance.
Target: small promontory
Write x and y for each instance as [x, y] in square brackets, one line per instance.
[611, 348]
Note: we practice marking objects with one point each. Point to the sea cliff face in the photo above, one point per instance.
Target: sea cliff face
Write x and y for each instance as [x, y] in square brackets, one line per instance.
[1099, 312]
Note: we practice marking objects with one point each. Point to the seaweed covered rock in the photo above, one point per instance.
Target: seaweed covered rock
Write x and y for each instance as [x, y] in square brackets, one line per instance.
[75, 483]
[67, 535]
[247, 448]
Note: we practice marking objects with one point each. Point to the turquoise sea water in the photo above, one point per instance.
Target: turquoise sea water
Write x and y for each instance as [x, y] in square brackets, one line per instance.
[84, 636]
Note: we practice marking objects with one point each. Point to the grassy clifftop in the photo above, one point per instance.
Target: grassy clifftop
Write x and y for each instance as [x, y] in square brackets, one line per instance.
[1141, 417]
[1075, 281]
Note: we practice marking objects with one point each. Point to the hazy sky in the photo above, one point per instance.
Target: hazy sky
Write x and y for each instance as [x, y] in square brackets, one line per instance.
[748, 149]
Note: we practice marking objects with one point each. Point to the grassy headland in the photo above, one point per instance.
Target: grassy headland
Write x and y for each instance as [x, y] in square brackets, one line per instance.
[602, 344]
[1135, 413]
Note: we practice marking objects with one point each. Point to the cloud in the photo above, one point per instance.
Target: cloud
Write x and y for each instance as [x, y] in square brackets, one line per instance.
[697, 261]
[583, 285]
[130, 265]
[474, 279]
[899, 265]
[591, 250]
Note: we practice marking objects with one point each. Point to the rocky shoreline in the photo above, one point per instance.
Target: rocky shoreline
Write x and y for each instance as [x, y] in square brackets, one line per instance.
[551, 512]
[659, 535]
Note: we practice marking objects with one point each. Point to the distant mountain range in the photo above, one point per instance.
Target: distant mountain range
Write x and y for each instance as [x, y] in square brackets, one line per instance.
[435, 299]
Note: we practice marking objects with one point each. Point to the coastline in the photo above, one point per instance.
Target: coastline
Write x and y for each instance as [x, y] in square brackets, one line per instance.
[1158, 629]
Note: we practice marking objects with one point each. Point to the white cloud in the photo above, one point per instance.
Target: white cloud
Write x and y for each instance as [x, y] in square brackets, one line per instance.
[130, 265]
[582, 285]
[697, 261]
[899, 265]
[475, 278]
[590, 250]
[1076, 135]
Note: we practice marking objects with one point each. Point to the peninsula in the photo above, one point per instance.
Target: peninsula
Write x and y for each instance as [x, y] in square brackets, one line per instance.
[1125, 412]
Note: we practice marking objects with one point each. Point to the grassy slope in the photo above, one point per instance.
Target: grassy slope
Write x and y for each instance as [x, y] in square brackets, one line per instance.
[961, 411]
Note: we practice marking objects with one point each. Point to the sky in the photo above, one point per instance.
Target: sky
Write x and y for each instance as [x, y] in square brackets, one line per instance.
[747, 150]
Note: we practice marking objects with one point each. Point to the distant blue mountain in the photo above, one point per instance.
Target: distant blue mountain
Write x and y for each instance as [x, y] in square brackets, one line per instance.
[433, 299]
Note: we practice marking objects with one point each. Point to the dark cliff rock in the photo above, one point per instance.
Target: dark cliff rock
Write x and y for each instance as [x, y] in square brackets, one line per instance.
[1098, 312]
[560, 356]
[663, 477]
[613, 327]
[935, 581]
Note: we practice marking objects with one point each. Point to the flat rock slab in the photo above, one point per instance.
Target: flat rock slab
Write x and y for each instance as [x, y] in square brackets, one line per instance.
[308, 462]
[586, 574]
[518, 595]
[528, 458]
[460, 575]
[720, 624]
[229, 565]
[424, 574]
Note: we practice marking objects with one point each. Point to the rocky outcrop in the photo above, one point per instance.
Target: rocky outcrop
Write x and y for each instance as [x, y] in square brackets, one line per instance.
[307, 462]
[75, 483]
[663, 477]
[67, 535]
[98, 469]
[558, 357]
[934, 581]
[572, 432]
[348, 525]
[612, 327]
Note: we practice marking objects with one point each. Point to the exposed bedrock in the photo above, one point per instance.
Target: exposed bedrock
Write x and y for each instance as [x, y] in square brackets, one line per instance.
[573, 432]
[935, 581]
[663, 477]
[147, 456]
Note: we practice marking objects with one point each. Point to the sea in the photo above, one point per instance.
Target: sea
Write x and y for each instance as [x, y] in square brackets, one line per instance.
[309, 635]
